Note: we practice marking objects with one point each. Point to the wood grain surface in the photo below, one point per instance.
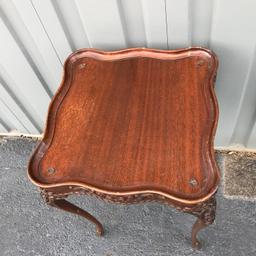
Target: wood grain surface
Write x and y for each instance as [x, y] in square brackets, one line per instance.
[131, 121]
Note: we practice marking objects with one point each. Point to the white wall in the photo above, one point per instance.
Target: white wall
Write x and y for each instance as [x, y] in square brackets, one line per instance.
[36, 36]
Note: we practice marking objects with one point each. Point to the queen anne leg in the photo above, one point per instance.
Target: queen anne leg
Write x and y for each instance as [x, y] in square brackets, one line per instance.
[206, 216]
[63, 204]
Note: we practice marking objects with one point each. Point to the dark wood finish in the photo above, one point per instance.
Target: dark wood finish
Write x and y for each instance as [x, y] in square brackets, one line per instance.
[130, 126]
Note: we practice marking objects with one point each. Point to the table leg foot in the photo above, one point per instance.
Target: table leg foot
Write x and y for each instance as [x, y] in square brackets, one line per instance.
[206, 216]
[69, 207]
[198, 225]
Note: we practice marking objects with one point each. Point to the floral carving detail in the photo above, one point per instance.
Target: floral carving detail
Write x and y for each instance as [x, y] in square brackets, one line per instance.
[204, 211]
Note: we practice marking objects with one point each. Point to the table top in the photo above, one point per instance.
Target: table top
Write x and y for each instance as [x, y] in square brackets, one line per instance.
[133, 121]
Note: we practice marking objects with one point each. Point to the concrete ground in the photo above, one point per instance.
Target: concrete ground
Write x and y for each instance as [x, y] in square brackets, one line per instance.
[29, 227]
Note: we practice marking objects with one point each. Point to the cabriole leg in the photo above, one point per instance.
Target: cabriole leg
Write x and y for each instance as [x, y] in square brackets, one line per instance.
[69, 207]
[206, 216]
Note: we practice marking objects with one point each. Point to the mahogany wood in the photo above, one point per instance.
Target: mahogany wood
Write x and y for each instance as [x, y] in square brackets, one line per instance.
[133, 125]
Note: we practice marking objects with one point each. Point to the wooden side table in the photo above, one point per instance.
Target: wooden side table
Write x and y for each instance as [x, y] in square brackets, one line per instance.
[132, 126]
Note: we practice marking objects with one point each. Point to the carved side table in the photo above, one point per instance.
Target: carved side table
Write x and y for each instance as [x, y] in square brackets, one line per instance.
[132, 126]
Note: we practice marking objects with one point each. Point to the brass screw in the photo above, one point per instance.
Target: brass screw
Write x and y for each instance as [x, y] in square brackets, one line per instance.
[200, 62]
[82, 65]
[193, 182]
[51, 170]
